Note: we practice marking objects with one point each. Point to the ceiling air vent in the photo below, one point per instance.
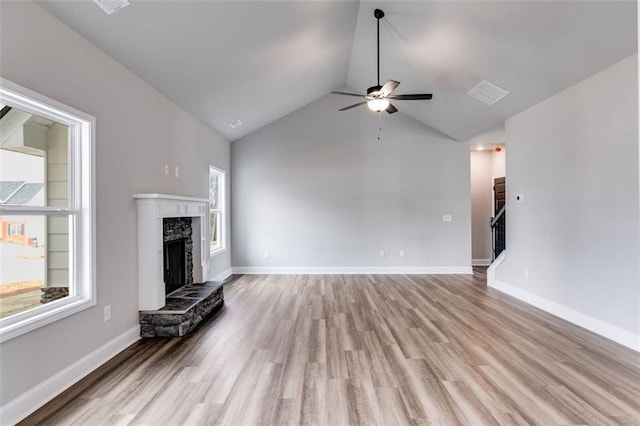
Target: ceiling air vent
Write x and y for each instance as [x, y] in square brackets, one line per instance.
[488, 93]
[110, 6]
[235, 124]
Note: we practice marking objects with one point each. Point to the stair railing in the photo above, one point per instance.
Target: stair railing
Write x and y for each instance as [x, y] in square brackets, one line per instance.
[498, 233]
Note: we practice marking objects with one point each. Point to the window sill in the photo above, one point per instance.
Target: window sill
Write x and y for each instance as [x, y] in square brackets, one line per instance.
[217, 251]
[28, 321]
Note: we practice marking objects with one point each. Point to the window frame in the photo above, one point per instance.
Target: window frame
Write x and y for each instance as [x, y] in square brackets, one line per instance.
[80, 211]
[213, 251]
[14, 228]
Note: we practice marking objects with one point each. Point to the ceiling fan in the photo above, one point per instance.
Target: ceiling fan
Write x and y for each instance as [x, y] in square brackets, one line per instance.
[378, 98]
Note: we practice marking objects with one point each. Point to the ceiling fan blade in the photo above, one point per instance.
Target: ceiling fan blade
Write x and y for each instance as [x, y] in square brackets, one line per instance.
[414, 97]
[352, 106]
[348, 94]
[389, 87]
[391, 109]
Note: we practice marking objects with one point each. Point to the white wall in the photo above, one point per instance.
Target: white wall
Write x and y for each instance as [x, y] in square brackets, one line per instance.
[498, 163]
[481, 205]
[574, 157]
[138, 131]
[317, 189]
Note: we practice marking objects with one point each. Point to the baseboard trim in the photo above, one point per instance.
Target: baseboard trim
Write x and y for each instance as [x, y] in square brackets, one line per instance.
[491, 270]
[36, 397]
[480, 262]
[351, 270]
[223, 275]
[611, 332]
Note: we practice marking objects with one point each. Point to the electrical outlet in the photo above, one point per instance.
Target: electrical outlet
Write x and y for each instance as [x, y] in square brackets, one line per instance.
[166, 169]
[266, 254]
[107, 312]
[401, 253]
[381, 253]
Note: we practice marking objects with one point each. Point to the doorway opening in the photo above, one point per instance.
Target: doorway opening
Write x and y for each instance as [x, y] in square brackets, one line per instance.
[487, 164]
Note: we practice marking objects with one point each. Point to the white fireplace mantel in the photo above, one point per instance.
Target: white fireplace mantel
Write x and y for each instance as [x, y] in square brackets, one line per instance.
[152, 209]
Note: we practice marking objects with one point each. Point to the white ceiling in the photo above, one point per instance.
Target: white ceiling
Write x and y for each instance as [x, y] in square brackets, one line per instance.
[261, 60]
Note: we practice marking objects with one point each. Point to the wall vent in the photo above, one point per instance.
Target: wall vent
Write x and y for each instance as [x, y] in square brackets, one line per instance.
[111, 6]
[488, 92]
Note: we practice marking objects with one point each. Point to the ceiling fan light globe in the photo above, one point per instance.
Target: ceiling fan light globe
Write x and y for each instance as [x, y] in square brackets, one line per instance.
[378, 105]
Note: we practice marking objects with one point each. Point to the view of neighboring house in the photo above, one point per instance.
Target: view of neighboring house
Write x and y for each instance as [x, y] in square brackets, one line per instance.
[28, 160]
[27, 230]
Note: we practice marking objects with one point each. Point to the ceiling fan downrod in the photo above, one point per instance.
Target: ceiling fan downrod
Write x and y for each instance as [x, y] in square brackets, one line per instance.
[379, 14]
[378, 98]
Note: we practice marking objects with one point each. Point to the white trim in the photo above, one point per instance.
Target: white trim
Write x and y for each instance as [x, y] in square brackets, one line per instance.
[491, 270]
[143, 196]
[597, 326]
[25, 404]
[336, 270]
[24, 322]
[223, 275]
[215, 252]
[81, 211]
[480, 262]
[152, 209]
[222, 228]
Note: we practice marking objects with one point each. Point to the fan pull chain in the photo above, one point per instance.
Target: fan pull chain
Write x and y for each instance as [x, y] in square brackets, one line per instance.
[379, 126]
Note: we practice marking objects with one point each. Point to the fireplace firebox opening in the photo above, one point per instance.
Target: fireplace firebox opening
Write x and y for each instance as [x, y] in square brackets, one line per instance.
[175, 260]
[177, 253]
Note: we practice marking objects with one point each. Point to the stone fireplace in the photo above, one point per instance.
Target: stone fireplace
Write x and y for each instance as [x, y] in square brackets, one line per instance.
[187, 220]
[173, 254]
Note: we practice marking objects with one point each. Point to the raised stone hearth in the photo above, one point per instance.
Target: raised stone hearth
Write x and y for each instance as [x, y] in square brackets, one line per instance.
[185, 308]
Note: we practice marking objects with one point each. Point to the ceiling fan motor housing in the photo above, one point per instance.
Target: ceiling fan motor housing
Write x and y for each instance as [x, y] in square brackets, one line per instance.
[372, 89]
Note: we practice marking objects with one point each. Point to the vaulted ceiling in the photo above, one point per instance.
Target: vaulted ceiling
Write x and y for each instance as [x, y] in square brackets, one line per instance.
[257, 61]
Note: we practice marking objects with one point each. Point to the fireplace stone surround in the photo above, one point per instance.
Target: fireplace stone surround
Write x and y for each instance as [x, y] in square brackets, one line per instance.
[178, 313]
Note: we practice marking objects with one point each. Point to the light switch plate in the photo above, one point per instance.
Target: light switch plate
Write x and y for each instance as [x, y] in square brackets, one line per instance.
[447, 218]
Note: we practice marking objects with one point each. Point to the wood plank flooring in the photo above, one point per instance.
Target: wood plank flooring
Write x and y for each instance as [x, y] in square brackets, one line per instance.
[363, 349]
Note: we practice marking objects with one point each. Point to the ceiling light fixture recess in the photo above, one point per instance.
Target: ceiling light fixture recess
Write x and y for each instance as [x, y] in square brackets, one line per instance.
[235, 124]
[111, 6]
[488, 92]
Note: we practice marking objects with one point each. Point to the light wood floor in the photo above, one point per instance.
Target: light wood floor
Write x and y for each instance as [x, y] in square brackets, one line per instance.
[368, 349]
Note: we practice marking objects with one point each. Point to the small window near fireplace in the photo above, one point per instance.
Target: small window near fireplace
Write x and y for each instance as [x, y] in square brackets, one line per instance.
[216, 210]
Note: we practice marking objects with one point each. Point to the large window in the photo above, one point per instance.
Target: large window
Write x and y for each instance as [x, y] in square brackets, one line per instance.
[216, 210]
[47, 249]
